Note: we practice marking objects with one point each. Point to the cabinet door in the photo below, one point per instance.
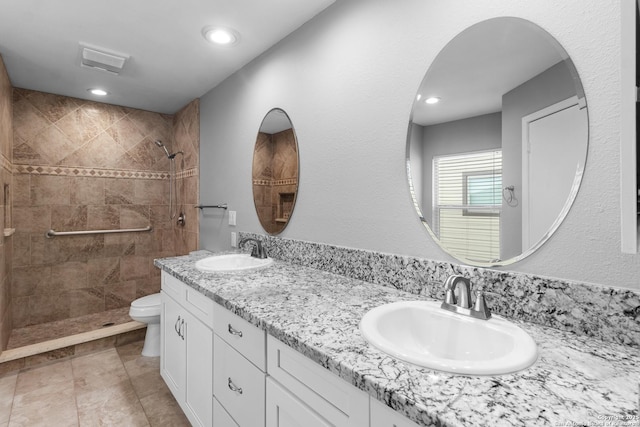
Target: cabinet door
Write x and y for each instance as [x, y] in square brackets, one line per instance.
[383, 416]
[199, 371]
[172, 352]
[285, 410]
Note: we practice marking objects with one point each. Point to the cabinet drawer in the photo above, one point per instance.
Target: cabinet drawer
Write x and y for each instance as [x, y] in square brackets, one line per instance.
[238, 385]
[335, 399]
[383, 416]
[199, 305]
[249, 340]
[173, 287]
[221, 417]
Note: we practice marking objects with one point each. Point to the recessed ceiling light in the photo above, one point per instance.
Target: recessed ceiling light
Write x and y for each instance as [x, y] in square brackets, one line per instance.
[220, 35]
[418, 97]
[99, 92]
[432, 100]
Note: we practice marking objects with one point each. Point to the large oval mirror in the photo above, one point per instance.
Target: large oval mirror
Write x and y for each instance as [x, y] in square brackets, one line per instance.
[275, 171]
[497, 142]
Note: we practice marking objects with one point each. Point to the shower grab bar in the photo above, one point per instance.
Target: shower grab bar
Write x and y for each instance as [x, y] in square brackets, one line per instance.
[52, 233]
[223, 206]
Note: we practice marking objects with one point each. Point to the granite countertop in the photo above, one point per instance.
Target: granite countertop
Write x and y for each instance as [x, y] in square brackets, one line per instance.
[576, 380]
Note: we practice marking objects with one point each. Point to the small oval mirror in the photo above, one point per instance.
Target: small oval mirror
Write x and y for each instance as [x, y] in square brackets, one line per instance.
[497, 142]
[275, 171]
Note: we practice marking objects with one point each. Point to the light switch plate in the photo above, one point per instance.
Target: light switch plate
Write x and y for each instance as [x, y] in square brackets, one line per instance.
[234, 239]
[232, 217]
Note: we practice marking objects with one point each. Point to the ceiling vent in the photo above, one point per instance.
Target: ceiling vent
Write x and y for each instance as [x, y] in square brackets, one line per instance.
[97, 58]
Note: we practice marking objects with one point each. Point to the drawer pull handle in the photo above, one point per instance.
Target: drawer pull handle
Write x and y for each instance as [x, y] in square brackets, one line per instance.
[234, 387]
[234, 331]
[182, 329]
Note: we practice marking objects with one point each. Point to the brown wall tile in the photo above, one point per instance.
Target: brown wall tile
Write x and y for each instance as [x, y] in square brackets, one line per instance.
[87, 191]
[77, 153]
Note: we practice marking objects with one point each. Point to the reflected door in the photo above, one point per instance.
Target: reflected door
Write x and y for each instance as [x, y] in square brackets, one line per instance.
[547, 182]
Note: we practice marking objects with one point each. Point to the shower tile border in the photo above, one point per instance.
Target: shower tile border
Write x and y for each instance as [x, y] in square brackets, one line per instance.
[88, 172]
[593, 311]
[92, 172]
[187, 173]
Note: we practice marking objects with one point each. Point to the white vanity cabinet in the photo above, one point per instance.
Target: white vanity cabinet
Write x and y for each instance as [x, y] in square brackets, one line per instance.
[239, 364]
[187, 348]
[226, 372]
[302, 393]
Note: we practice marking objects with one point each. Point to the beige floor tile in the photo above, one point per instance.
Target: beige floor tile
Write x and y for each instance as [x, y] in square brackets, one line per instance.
[115, 387]
[116, 405]
[147, 383]
[36, 378]
[52, 404]
[163, 411]
[7, 390]
[97, 370]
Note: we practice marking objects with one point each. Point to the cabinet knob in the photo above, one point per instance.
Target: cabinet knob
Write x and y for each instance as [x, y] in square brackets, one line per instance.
[234, 387]
[234, 331]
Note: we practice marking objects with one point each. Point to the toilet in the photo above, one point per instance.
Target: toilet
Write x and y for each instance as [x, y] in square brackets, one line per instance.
[147, 310]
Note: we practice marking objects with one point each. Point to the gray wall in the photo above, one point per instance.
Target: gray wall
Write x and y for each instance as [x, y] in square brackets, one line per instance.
[349, 88]
[479, 133]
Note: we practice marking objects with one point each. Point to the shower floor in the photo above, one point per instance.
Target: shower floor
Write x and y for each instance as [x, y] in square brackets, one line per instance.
[35, 334]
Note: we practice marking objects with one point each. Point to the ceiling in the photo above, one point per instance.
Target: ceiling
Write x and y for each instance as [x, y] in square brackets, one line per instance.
[170, 62]
[481, 64]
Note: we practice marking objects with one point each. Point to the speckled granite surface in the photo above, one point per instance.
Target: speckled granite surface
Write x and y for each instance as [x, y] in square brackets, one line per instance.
[609, 314]
[576, 380]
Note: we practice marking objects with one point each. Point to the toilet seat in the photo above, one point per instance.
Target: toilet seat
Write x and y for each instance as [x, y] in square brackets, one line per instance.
[146, 306]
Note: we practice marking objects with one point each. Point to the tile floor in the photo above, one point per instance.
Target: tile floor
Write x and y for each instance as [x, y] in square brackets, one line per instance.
[114, 387]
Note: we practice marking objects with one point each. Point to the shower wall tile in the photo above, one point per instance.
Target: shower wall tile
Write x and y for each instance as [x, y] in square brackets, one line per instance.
[21, 190]
[50, 190]
[69, 217]
[151, 192]
[186, 137]
[134, 267]
[21, 255]
[102, 271]
[69, 275]
[32, 218]
[119, 191]
[6, 150]
[81, 165]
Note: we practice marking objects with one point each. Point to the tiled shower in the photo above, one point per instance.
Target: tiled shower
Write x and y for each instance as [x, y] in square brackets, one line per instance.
[82, 165]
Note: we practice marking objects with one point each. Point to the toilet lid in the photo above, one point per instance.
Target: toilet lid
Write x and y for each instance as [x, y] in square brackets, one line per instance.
[148, 301]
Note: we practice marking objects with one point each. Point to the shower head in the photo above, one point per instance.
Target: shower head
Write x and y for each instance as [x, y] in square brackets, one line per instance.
[161, 145]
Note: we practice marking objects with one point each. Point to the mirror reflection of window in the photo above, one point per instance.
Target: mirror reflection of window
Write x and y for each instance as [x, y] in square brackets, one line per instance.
[494, 83]
[467, 201]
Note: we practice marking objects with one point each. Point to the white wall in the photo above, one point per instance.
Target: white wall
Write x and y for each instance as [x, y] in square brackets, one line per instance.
[348, 80]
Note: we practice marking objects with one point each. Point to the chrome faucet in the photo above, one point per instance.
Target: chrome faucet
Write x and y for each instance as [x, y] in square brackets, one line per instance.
[258, 250]
[461, 302]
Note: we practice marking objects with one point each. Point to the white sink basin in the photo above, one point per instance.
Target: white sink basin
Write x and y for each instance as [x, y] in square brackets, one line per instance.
[231, 262]
[422, 333]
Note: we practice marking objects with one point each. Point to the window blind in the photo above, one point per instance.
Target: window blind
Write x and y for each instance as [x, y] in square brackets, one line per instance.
[467, 201]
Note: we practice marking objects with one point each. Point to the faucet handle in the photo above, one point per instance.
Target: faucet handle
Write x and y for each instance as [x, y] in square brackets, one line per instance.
[480, 306]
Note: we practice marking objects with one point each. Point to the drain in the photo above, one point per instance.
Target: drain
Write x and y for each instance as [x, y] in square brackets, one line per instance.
[104, 325]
